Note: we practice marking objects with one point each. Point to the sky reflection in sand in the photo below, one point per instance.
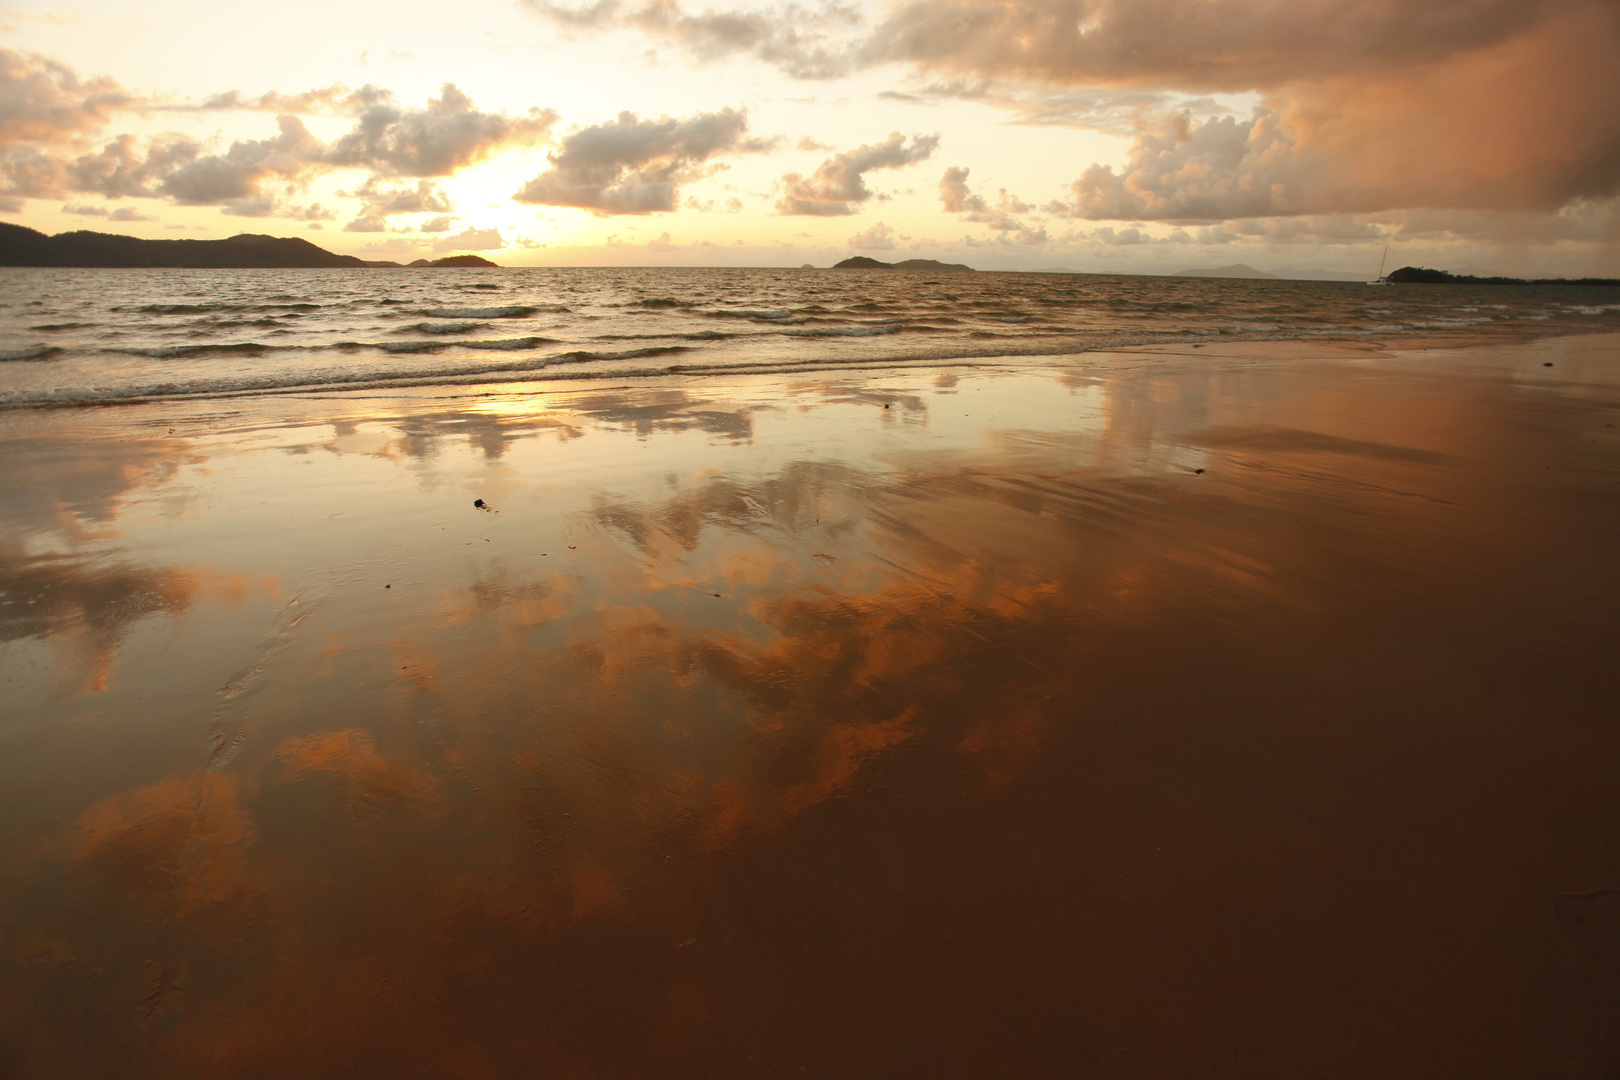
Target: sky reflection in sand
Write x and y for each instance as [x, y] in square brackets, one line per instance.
[933, 724]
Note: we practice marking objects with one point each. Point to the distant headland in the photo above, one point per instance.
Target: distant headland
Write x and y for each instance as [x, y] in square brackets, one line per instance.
[1416, 275]
[861, 262]
[1234, 270]
[20, 246]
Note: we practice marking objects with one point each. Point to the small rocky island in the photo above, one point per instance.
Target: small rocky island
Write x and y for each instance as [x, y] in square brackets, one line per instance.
[861, 262]
[20, 246]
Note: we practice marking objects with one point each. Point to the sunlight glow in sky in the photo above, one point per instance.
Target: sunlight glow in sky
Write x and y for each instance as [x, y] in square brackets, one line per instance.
[1124, 135]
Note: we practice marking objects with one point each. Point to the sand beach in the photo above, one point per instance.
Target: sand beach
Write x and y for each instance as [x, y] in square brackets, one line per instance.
[1245, 710]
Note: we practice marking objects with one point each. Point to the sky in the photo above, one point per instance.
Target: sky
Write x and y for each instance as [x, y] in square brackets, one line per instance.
[1302, 137]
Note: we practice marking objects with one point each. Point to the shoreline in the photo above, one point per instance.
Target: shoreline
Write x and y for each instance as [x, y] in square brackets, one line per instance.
[1278, 347]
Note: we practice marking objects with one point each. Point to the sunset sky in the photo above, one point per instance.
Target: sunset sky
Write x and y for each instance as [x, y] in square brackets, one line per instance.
[1137, 136]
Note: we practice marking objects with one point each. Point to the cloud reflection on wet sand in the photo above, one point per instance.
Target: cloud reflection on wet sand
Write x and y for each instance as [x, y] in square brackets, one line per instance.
[746, 737]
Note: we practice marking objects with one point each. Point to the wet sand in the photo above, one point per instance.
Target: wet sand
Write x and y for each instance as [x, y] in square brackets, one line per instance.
[1233, 712]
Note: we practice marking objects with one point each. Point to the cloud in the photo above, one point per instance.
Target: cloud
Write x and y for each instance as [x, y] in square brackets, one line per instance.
[336, 98]
[440, 224]
[255, 207]
[118, 170]
[1189, 44]
[311, 212]
[115, 171]
[1516, 129]
[447, 135]
[1130, 237]
[838, 186]
[958, 199]
[252, 177]
[1583, 221]
[394, 246]
[954, 194]
[879, 237]
[379, 203]
[232, 178]
[1483, 106]
[1369, 105]
[46, 109]
[470, 240]
[1115, 111]
[633, 166]
[86, 211]
[801, 42]
[43, 101]
[1202, 44]
[129, 213]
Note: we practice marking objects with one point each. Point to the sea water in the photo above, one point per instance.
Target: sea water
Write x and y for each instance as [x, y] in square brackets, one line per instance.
[107, 335]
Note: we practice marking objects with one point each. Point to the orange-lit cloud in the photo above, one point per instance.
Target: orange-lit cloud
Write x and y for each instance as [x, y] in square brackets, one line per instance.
[1524, 125]
[1373, 106]
[44, 101]
[448, 134]
[53, 110]
[1194, 44]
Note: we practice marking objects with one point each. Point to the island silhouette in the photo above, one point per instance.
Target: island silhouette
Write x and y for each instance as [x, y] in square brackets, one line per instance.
[1417, 275]
[861, 262]
[21, 246]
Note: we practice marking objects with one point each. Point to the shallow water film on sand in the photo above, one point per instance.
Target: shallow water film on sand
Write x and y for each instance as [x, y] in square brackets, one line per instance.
[1146, 714]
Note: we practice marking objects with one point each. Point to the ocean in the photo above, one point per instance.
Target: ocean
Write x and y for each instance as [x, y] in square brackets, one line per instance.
[90, 335]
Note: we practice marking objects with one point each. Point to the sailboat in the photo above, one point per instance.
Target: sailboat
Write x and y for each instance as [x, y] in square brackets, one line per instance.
[1381, 279]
